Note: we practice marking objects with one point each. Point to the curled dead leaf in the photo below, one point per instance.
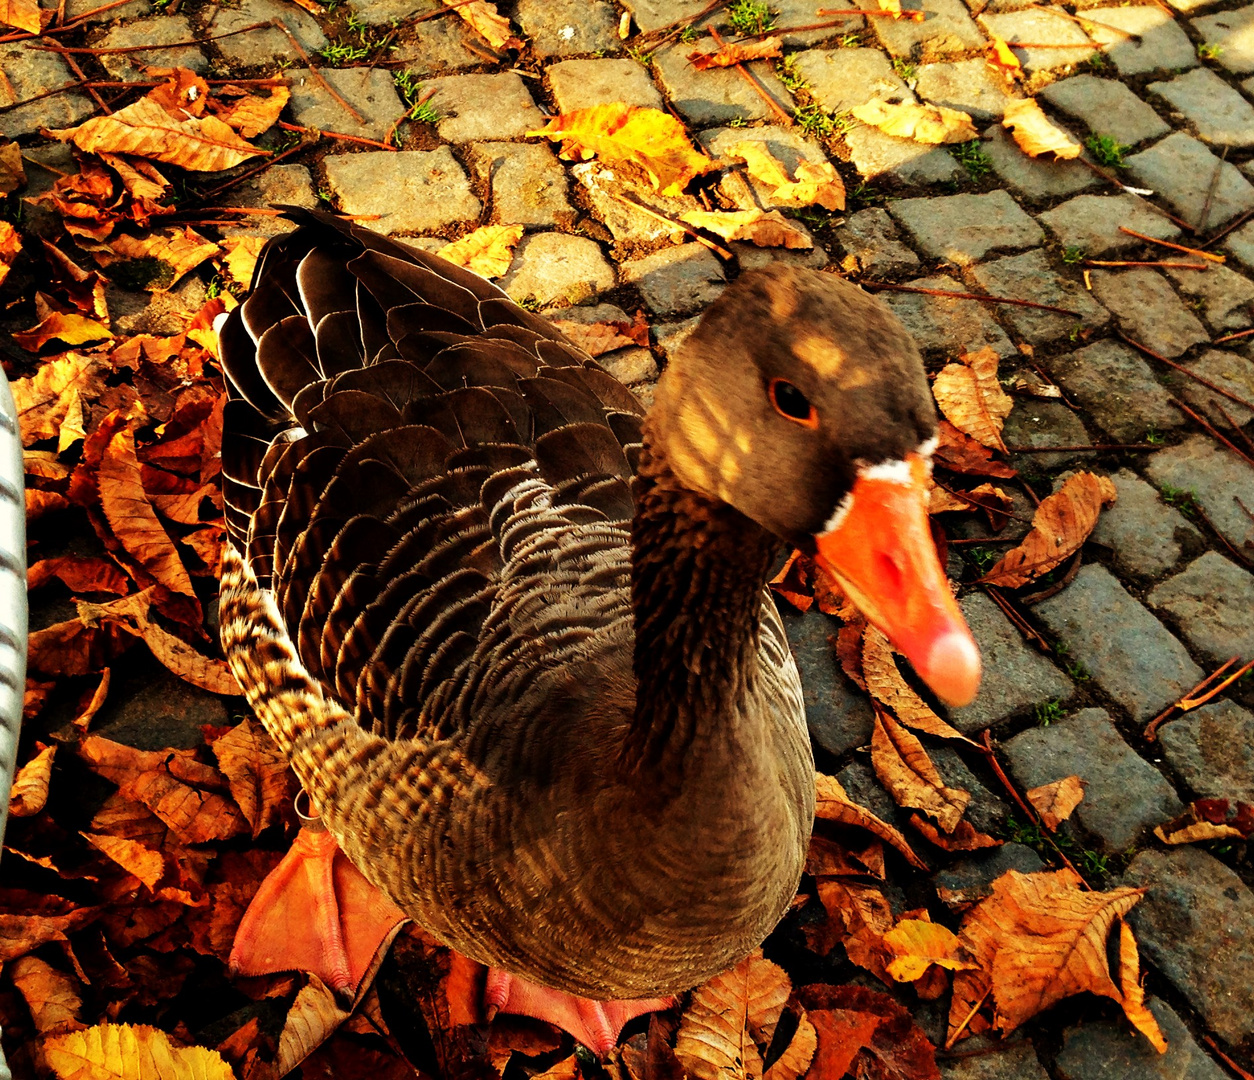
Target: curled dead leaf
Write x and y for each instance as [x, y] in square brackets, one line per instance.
[962, 454]
[69, 328]
[814, 183]
[1193, 826]
[51, 995]
[1134, 1006]
[972, 399]
[833, 804]
[80, 573]
[1055, 802]
[866, 1031]
[858, 917]
[12, 178]
[738, 53]
[257, 772]
[795, 1060]
[904, 767]
[1035, 133]
[966, 837]
[488, 251]
[758, 227]
[250, 114]
[10, 248]
[931, 124]
[486, 21]
[131, 856]
[895, 9]
[885, 683]
[29, 793]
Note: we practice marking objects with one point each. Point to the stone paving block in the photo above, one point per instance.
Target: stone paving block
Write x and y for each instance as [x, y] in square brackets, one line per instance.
[873, 246]
[1124, 796]
[670, 336]
[682, 278]
[580, 84]
[568, 27]
[1114, 1050]
[291, 185]
[1015, 676]
[1163, 46]
[162, 314]
[1233, 32]
[1034, 178]
[379, 12]
[1129, 653]
[606, 188]
[1181, 169]
[258, 47]
[556, 269]
[801, 13]
[370, 91]
[413, 190]
[1015, 1062]
[1030, 277]
[752, 257]
[945, 324]
[1214, 475]
[1223, 296]
[971, 86]
[1041, 26]
[476, 108]
[528, 183]
[971, 878]
[1212, 602]
[838, 715]
[965, 228]
[28, 73]
[1190, 5]
[89, 11]
[157, 30]
[1241, 244]
[1212, 749]
[1091, 223]
[1219, 113]
[1033, 423]
[630, 366]
[1232, 372]
[1148, 309]
[434, 46]
[946, 28]
[1118, 388]
[1146, 536]
[655, 14]
[841, 79]
[789, 147]
[1196, 925]
[876, 154]
[1108, 108]
[717, 95]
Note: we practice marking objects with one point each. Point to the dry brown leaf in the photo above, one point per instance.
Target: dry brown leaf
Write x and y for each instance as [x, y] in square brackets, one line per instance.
[1002, 57]
[184, 93]
[1191, 828]
[239, 257]
[182, 250]
[826, 858]
[962, 454]
[858, 918]
[51, 995]
[966, 837]
[904, 768]
[10, 248]
[793, 1063]
[69, 328]
[81, 573]
[29, 793]
[1060, 526]
[814, 183]
[486, 21]
[126, 1052]
[833, 804]
[12, 177]
[885, 683]
[488, 251]
[867, 1031]
[894, 6]
[186, 662]
[916, 944]
[595, 339]
[313, 1018]
[250, 115]
[1054, 802]
[83, 720]
[931, 124]
[19, 934]
[145, 129]
[758, 227]
[738, 53]
[653, 139]
[727, 1019]
[257, 772]
[972, 399]
[1035, 133]
[131, 856]
[1134, 1006]
[23, 14]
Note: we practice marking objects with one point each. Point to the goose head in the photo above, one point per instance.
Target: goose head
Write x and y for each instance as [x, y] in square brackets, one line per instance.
[802, 402]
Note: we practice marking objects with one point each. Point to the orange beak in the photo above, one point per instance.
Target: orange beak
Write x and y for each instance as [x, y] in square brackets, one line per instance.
[881, 552]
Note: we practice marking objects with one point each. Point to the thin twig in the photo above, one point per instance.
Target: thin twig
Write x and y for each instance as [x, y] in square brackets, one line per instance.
[966, 498]
[671, 30]
[91, 90]
[145, 48]
[1184, 370]
[1230, 227]
[758, 88]
[1160, 262]
[1193, 703]
[444, 11]
[1237, 428]
[1091, 446]
[1210, 256]
[278, 24]
[1210, 191]
[1008, 609]
[1081, 21]
[1243, 559]
[205, 196]
[969, 296]
[74, 24]
[1110, 178]
[335, 135]
[690, 230]
[967, 1019]
[1208, 426]
[1232, 337]
[1151, 729]
[1242, 1073]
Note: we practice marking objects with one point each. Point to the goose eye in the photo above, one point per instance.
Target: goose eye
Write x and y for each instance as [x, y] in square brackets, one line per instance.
[791, 403]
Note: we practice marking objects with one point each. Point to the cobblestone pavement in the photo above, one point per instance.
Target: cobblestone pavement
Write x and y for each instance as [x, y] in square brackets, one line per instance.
[1162, 92]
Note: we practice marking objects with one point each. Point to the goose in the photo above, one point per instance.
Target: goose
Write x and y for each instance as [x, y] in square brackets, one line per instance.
[513, 632]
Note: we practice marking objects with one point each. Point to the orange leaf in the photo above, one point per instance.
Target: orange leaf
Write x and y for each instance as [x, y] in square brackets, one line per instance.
[488, 251]
[24, 14]
[29, 793]
[69, 328]
[931, 124]
[1002, 57]
[858, 917]
[916, 944]
[738, 53]
[12, 177]
[894, 6]
[1054, 802]
[1035, 133]
[131, 856]
[257, 772]
[51, 995]
[962, 454]
[760, 228]
[1060, 526]
[652, 139]
[83, 720]
[966, 837]
[795, 1060]
[486, 21]
[1190, 828]
[80, 573]
[240, 254]
[44, 400]
[885, 684]
[595, 339]
[1133, 994]
[126, 1052]
[868, 1031]
[10, 246]
[972, 399]
[904, 768]
[182, 250]
[827, 858]
[251, 115]
[814, 182]
[833, 804]
[183, 93]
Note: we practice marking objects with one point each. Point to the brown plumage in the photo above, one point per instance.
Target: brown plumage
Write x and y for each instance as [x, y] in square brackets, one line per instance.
[514, 635]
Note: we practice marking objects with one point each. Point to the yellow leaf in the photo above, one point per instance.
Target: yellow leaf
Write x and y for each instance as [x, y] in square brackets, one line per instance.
[972, 399]
[29, 793]
[145, 129]
[1134, 1006]
[51, 995]
[10, 248]
[251, 115]
[24, 14]
[894, 7]
[1035, 133]
[44, 400]
[180, 249]
[917, 944]
[815, 182]
[653, 139]
[71, 329]
[931, 124]
[1002, 57]
[488, 251]
[240, 254]
[130, 1052]
[1055, 802]
[760, 228]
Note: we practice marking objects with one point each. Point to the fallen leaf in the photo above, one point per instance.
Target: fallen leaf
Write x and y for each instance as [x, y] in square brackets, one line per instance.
[760, 228]
[19, 934]
[131, 856]
[894, 7]
[858, 917]
[793, 1063]
[916, 944]
[250, 115]
[83, 720]
[184, 93]
[1060, 526]
[833, 804]
[186, 662]
[616, 132]
[966, 837]
[130, 1052]
[182, 250]
[932, 124]
[1035, 133]
[1134, 1006]
[972, 399]
[12, 178]
[1002, 57]
[257, 772]
[868, 1031]
[29, 793]
[80, 573]
[814, 182]
[486, 21]
[1054, 802]
[488, 251]
[1190, 828]
[240, 254]
[794, 581]
[911, 778]
[962, 454]
[738, 53]
[23, 14]
[145, 129]
[595, 339]
[885, 683]
[10, 248]
[44, 399]
[826, 858]
[69, 328]
[51, 995]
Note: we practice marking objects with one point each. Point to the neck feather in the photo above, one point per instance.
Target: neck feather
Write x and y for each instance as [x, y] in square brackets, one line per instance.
[697, 571]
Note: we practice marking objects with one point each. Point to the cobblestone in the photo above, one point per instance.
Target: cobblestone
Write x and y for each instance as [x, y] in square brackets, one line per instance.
[290, 185]
[842, 79]
[1016, 1062]
[1212, 750]
[1030, 277]
[871, 244]
[1146, 536]
[946, 28]
[1129, 653]
[876, 154]
[716, 95]
[945, 324]
[527, 181]
[555, 269]
[413, 191]
[1159, 45]
[28, 74]
[1090, 223]
[964, 228]
[1118, 388]
[434, 46]
[838, 716]
[158, 30]
[368, 90]
[1226, 370]
[1108, 108]
[1223, 296]
[1241, 243]
[1034, 423]
[1212, 601]
[676, 279]
[971, 879]
[263, 46]
[1034, 178]
[1045, 27]
[569, 27]
[630, 366]
[477, 108]
[968, 85]
[379, 12]
[1196, 925]
[1181, 169]
[606, 189]
[1149, 310]
[1219, 113]
[1213, 475]
[580, 84]
[1124, 795]
[1112, 1050]
[1233, 32]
